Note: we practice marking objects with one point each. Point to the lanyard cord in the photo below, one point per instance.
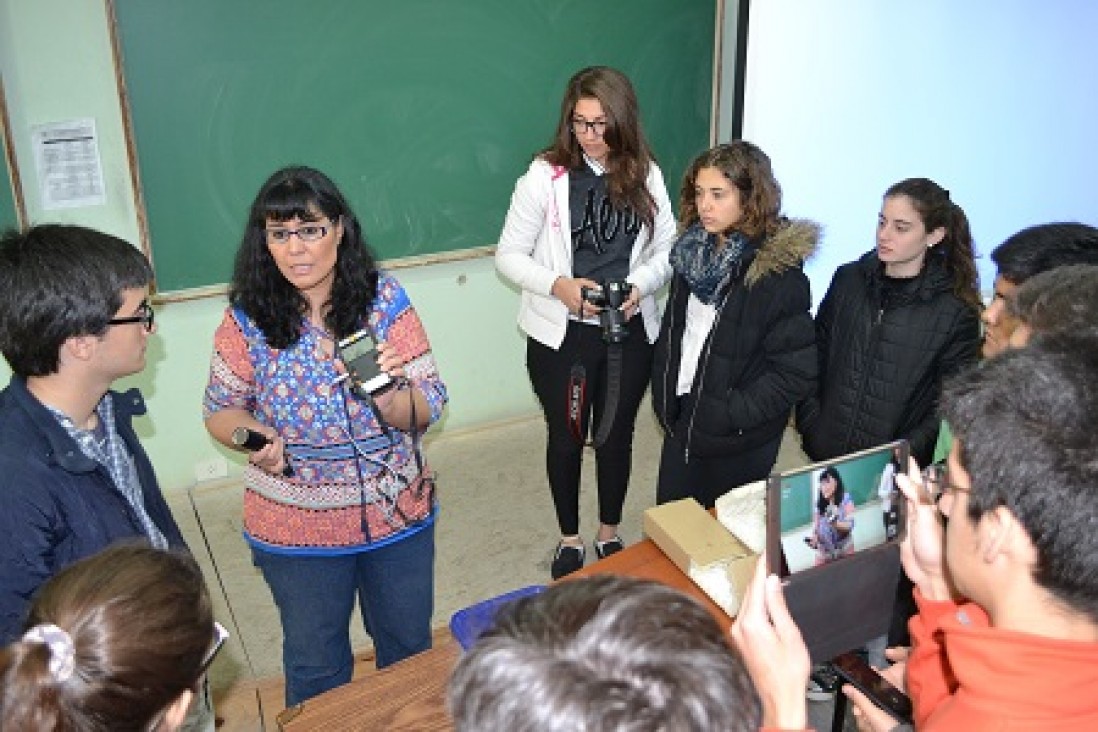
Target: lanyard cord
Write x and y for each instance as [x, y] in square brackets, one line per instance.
[392, 506]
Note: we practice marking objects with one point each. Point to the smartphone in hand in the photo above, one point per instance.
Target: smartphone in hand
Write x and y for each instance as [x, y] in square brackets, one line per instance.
[358, 352]
[863, 677]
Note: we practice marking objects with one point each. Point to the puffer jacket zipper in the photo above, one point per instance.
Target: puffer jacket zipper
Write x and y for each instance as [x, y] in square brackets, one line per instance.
[874, 336]
[699, 379]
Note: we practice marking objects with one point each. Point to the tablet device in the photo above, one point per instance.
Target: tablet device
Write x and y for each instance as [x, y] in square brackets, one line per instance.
[833, 533]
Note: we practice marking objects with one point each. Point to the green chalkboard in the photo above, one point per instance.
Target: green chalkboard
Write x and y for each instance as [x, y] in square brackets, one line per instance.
[9, 214]
[423, 111]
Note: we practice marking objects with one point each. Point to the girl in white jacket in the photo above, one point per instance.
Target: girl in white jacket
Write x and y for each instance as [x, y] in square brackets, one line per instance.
[591, 210]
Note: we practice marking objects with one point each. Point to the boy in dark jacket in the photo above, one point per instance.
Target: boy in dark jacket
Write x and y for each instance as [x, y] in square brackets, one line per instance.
[74, 317]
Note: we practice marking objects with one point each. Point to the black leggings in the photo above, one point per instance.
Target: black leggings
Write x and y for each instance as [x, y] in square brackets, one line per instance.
[550, 371]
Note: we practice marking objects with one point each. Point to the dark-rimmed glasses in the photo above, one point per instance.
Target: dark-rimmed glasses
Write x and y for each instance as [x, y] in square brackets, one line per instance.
[937, 484]
[308, 232]
[145, 316]
[219, 637]
[580, 125]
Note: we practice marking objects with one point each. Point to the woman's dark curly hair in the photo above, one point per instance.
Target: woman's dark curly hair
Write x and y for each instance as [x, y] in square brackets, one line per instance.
[269, 299]
[748, 168]
[840, 489]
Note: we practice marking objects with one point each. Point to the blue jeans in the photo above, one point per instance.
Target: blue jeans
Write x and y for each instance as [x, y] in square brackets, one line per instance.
[316, 594]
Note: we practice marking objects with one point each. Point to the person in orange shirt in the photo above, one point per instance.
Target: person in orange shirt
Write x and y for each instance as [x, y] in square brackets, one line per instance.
[1002, 551]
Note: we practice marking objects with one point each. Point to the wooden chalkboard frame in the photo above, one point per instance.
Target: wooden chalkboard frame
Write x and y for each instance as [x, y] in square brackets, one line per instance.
[10, 161]
[191, 291]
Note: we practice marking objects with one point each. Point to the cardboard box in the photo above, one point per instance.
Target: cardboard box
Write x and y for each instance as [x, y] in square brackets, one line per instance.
[718, 562]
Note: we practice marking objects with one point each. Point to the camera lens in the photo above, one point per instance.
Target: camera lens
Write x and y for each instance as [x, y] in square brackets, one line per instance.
[613, 326]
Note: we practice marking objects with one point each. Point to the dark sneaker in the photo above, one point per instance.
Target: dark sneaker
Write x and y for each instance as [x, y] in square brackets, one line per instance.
[822, 683]
[567, 560]
[603, 549]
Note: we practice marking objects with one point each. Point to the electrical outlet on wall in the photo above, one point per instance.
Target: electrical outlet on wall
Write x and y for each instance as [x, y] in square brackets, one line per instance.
[211, 469]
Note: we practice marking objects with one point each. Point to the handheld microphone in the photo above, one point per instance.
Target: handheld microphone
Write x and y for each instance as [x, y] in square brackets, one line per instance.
[251, 441]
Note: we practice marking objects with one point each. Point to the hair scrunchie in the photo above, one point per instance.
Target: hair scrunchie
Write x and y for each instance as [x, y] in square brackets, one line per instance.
[62, 651]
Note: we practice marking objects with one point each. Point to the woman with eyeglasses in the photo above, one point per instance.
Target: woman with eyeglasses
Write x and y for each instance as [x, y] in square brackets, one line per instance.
[119, 641]
[338, 502]
[586, 240]
[833, 520]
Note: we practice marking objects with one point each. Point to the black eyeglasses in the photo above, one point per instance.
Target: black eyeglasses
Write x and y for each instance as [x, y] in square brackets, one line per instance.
[308, 232]
[937, 484]
[219, 637]
[144, 316]
[580, 125]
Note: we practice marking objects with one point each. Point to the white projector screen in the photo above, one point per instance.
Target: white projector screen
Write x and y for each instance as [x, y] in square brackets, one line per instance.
[996, 100]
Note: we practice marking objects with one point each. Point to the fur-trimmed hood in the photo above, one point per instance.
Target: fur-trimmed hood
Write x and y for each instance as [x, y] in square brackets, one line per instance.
[791, 245]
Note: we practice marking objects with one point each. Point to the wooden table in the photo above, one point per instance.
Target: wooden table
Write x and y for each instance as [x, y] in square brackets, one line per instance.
[411, 695]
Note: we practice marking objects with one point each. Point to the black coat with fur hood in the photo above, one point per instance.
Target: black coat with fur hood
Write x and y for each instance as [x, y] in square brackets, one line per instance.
[758, 361]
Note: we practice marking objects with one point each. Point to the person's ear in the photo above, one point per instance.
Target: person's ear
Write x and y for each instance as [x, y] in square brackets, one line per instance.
[78, 348]
[935, 237]
[998, 534]
[177, 712]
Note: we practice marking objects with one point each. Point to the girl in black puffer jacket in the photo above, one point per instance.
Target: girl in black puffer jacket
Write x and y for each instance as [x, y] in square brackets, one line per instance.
[893, 326]
[736, 348]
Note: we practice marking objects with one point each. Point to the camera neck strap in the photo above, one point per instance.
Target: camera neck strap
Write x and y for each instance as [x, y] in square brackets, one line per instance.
[613, 393]
[577, 398]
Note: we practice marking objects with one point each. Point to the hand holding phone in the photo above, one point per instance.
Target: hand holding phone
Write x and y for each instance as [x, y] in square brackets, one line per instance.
[863, 677]
[358, 352]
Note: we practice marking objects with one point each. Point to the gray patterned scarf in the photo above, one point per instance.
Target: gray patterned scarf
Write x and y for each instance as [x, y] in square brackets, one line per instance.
[706, 269]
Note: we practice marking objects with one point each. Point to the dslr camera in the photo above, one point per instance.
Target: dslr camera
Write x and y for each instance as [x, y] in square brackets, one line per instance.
[610, 297]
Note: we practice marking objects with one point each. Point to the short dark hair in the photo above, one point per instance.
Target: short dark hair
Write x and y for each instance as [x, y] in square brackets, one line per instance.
[265, 295]
[1064, 298]
[141, 627]
[59, 282]
[604, 653]
[1046, 246]
[1025, 422]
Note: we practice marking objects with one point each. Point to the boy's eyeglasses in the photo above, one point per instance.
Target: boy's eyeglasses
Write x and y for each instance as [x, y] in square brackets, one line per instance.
[144, 316]
[937, 484]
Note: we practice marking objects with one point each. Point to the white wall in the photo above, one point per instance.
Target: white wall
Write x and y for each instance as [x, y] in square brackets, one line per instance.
[996, 100]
